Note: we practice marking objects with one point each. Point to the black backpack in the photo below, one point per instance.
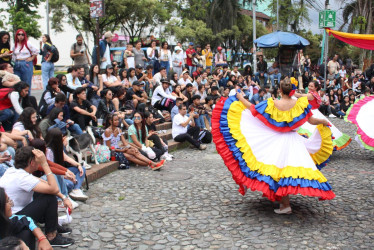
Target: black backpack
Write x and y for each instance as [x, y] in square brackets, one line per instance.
[56, 55]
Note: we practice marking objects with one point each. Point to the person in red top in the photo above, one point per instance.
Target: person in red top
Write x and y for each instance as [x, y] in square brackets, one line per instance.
[189, 52]
[198, 71]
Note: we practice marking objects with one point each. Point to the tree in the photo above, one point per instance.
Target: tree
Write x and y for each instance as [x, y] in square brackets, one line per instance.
[292, 14]
[22, 14]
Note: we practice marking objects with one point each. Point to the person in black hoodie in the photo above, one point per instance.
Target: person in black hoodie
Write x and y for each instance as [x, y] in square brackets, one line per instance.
[5, 54]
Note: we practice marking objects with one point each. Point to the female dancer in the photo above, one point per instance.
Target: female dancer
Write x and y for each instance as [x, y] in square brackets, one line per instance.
[340, 140]
[361, 114]
[287, 166]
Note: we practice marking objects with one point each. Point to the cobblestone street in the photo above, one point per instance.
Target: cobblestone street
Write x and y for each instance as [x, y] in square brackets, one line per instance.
[193, 203]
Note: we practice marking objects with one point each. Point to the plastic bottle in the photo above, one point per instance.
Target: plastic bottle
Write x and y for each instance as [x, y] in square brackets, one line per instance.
[112, 154]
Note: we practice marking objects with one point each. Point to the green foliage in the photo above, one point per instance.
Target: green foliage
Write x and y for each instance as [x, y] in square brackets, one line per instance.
[22, 14]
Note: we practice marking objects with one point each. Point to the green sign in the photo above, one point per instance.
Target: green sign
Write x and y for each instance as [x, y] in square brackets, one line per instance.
[327, 19]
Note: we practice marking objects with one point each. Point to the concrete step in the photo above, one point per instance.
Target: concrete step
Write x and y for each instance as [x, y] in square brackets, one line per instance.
[164, 126]
[167, 136]
[98, 171]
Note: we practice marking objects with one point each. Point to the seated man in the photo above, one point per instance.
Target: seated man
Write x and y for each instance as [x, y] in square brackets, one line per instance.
[162, 99]
[82, 111]
[34, 197]
[72, 78]
[185, 79]
[175, 110]
[137, 95]
[199, 111]
[273, 73]
[259, 97]
[188, 92]
[181, 132]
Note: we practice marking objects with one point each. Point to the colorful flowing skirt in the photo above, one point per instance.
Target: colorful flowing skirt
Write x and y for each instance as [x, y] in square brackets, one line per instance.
[362, 115]
[263, 159]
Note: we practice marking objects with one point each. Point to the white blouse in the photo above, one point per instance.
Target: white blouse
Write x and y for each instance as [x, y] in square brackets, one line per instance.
[166, 57]
[24, 53]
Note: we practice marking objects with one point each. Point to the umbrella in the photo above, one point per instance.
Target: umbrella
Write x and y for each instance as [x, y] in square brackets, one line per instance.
[278, 38]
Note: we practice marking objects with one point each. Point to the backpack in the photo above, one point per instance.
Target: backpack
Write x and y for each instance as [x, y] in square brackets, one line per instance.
[102, 153]
[75, 49]
[54, 50]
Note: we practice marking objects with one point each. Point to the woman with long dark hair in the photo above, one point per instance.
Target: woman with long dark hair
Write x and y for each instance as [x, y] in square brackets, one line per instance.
[48, 96]
[55, 153]
[123, 77]
[109, 79]
[248, 71]
[165, 57]
[81, 110]
[63, 85]
[48, 67]
[24, 54]
[113, 135]
[97, 80]
[27, 125]
[20, 98]
[5, 54]
[20, 226]
[106, 105]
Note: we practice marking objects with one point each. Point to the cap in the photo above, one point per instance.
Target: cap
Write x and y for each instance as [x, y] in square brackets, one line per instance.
[164, 80]
[137, 83]
[191, 44]
[177, 48]
[108, 34]
[219, 48]
[184, 72]
[139, 66]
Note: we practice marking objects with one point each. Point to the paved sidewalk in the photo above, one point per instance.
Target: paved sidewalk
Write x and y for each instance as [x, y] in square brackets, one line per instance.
[193, 203]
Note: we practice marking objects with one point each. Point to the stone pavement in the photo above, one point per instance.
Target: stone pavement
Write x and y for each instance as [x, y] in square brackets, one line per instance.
[193, 203]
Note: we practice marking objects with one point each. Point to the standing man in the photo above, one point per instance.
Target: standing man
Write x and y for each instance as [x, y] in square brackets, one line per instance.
[189, 52]
[79, 55]
[207, 53]
[220, 57]
[273, 72]
[104, 49]
[262, 67]
[333, 68]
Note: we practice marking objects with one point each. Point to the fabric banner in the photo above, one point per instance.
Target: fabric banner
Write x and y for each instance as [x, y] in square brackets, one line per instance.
[363, 41]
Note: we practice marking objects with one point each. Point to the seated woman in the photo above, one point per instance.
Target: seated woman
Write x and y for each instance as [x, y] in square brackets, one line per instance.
[113, 136]
[63, 85]
[177, 92]
[34, 197]
[93, 94]
[8, 78]
[123, 77]
[27, 125]
[55, 152]
[110, 80]
[125, 112]
[55, 119]
[81, 110]
[106, 105]
[138, 135]
[48, 96]
[160, 144]
[20, 97]
[19, 226]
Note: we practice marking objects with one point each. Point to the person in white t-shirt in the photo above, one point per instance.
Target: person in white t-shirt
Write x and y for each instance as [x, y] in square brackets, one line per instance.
[343, 72]
[235, 71]
[162, 99]
[185, 79]
[34, 197]
[180, 130]
[105, 59]
[109, 79]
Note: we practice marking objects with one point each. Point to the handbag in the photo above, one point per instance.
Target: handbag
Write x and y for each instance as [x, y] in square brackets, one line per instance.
[150, 153]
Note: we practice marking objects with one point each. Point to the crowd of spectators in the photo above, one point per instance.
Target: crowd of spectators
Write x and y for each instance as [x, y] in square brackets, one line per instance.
[128, 99]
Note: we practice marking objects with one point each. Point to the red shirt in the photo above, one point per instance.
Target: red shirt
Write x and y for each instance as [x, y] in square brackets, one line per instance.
[189, 52]
[196, 73]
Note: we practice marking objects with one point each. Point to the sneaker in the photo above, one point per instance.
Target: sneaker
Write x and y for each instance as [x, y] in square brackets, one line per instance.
[163, 157]
[168, 158]
[87, 166]
[332, 116]
[63, 230]
[61, 207]
[171, 156]
[77, 194]
[202, 147]
[73, 203]
[61, 241]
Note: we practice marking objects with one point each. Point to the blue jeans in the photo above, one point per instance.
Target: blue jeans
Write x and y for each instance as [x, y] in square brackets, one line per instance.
[70, 185]
[165, 64]
[75, 129]
[200, 121]
[273, 76]
[61, 184]
[8, 117]
[257, 78]
[25, 71]
[208, 118]
[48, 71]
[192, 69]
[340, 113]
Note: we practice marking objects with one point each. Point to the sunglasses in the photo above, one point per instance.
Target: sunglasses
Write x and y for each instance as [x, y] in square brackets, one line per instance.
[137, 118]
[20, 34]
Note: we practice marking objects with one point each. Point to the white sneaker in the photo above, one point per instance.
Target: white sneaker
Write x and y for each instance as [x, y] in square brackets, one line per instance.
[168, 158]
[86, 166]
[61, 207]
[77, 194]
[163, 157]
[202, 147]
[171, 156]
[73, 203]
[332, 116]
